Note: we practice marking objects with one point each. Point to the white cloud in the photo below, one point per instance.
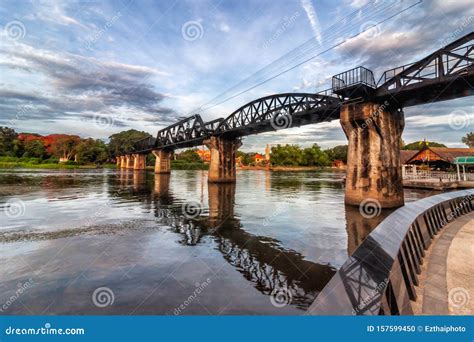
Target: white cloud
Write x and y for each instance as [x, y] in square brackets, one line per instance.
[313, 18]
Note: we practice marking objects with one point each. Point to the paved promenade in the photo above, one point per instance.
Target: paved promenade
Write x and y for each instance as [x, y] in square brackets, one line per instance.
[447, 278]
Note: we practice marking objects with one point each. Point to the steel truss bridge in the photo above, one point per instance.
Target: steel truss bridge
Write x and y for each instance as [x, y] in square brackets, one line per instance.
[445, 74]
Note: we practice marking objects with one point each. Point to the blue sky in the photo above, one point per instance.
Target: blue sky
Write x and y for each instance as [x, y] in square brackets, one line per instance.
[95, 68]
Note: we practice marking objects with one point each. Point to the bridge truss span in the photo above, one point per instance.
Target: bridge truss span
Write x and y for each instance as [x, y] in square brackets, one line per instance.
[443, 75]
[279, 111]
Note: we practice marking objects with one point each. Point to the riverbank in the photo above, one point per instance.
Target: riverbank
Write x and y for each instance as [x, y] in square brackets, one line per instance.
[288, 168]
[22, 165]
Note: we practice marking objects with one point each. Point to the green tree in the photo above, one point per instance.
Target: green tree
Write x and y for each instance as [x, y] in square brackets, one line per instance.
[122, 142]
[34, 149]
[246, 158]
[189, 156]
[415, 146]
[314, 156]
[8, 136]
[469, 139]
[287, 155]
[337, 153]
[92, 151]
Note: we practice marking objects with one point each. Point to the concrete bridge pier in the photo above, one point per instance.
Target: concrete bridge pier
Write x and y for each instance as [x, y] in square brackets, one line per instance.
[129, 161]
[373, 159]
[222, 166]
[139, 162]
[163, 161]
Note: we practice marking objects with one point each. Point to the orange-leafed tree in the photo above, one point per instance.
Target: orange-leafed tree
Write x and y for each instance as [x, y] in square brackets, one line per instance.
[62, 145]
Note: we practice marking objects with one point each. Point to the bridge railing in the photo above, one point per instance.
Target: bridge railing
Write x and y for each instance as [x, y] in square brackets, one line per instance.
[442, 63]
[356, 76]
[144, 144]
[379, 278]
[211, 126]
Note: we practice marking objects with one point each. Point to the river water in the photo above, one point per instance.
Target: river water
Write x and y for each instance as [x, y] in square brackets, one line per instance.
[124, 242]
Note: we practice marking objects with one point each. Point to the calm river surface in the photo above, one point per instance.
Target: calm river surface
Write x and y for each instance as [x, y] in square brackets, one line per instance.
[172, 244]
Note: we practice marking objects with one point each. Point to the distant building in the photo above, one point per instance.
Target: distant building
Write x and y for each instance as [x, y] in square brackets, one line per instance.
[338, 163]
[436, 157]
[259, 159]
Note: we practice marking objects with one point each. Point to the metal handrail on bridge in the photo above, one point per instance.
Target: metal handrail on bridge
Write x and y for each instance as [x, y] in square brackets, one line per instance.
[379, 278]
[352, 77]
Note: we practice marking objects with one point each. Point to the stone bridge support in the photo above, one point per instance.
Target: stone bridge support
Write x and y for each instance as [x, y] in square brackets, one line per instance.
[222, 166]
[129, 161]
[374, 172]
[139, 162]
[163, 161]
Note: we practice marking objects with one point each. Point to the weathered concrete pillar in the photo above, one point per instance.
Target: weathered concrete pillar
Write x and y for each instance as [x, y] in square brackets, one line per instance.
[163, 161]
[373, 160]
[123, 162]
[139, 161]
[222, 166]
[129, 161]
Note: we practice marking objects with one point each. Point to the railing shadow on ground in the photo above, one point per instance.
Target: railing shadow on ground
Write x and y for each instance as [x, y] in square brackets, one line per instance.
[379, 278]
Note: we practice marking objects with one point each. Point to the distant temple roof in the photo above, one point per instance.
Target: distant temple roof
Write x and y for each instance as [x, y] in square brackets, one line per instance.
[444, 154]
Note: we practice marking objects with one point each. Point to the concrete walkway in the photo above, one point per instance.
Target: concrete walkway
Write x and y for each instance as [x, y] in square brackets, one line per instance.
[447, 277]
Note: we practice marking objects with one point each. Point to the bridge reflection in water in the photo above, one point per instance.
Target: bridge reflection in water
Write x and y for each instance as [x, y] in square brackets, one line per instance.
[261, 260]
